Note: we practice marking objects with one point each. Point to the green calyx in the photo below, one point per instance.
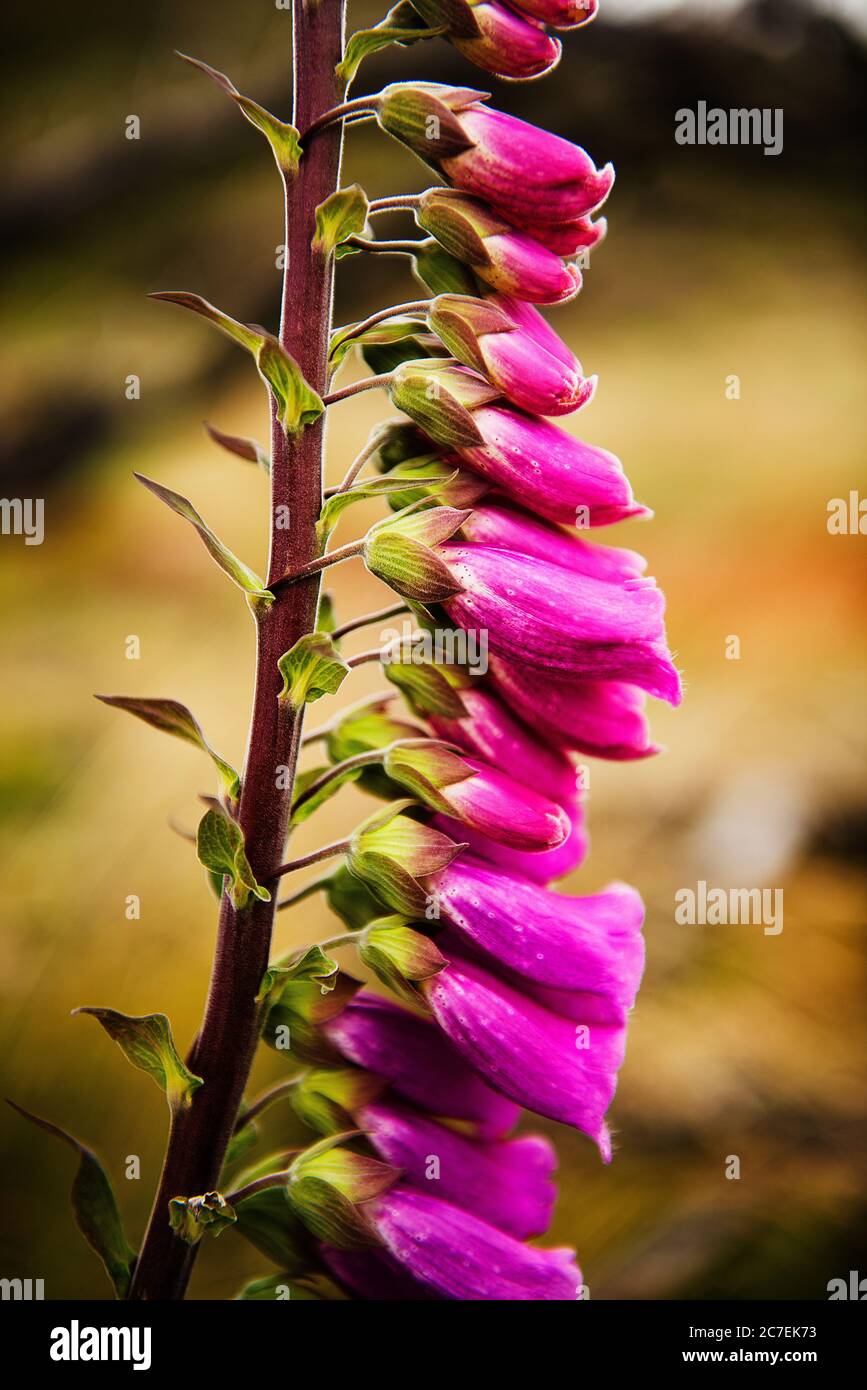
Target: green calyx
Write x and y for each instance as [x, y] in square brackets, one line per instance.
[426, 117]
[440, 396]
[459, 322]
[390, 853]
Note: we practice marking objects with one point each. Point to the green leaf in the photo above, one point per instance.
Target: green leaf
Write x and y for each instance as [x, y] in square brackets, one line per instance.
[220, 847]
[402, 25]
[298, 1006]
[311, 669]
[349, 899]
[171, 717]
[190, 1217]
[343, 214]
[242, 447]
[298, 404]
[95, 1207]
[147, 1043]
[392, 331]
[283, 138]
[363, 492]
[311, 965]
[237, 571]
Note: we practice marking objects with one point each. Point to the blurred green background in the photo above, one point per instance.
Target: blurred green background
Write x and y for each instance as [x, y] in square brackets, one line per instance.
[719, 261]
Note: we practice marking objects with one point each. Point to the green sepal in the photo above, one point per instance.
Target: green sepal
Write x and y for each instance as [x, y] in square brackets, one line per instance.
[355, 1176]
[365, 728]
[298, 404]
[426, 690]
[434, 478]
[460, 322]
[95, 1207]
[349, 899]
[171, 717]
[455, 15]
[241, 574]
[399, 551]
[327, 1100]
[341, 215]
[311, 669]
[190, 1217]
[241, 447]
[267, 1221]
[382, 334]
[422, 767]
[402, 25]
[220, 848]
[439, 395]
[399, 956]
[282, 138]
[147, 1043]
[390, 853]
[440, 272]
[330, 1216]
[361, 492]
[405, 111]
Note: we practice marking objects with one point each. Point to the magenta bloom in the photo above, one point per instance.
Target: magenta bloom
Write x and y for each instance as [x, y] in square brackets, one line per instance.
[415, 1058]
[509, 528]
[588, 945]
[565, 1068]
[603, 718]
[491, 732]
[461, 1257]
[525, 172]
[507, 259]
[513, 346]
[567, 238]
[375, 1277]
[540, 866]
[548, 470]
[551, 619]
[507, 1184]
[560, 14]
[508, 45]
[511, 814]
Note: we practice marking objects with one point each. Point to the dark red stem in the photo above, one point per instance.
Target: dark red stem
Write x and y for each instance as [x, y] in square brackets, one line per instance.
[224, 1049]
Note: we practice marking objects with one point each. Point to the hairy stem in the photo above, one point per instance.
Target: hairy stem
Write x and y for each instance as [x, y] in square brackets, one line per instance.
[226, 1044]
[367, 383]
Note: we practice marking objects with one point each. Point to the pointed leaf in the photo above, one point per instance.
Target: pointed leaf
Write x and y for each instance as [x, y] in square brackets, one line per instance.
[363, 492]
[174, 718]
[220, 847]
[242, 575]
[298, 404]
[393, 331]
[242, 447]
[283, 138]
[147, 1043]
[95, 1208]
[402, 25]
[311, 669]
[325, 793]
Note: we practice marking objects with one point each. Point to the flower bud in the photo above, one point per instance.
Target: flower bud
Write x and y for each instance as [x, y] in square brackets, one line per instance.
[508, 260]
[521, 355]
[494, 37]
[400, 552]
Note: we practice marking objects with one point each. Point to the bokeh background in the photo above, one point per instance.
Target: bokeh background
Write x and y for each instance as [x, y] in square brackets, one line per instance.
[719, 261]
